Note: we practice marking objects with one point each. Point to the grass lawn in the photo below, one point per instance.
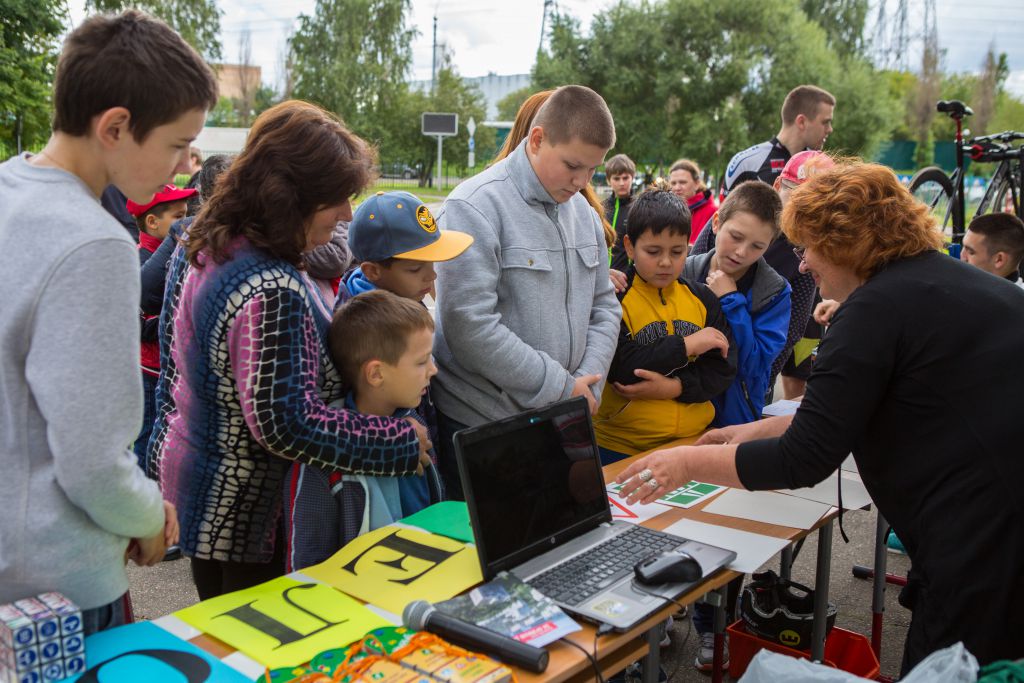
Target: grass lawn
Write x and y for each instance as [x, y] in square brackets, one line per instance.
[427, 194]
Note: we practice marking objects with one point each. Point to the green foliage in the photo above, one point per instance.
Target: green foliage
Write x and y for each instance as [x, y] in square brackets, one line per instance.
[228, 112]
[198, 21]
[29, 30]
[843, 22]
[353, 56]
[509, 105]
[1009, 113]
[704, 79]
[225, 114]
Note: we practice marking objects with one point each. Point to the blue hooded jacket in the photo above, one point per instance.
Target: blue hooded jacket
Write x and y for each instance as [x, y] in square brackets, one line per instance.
[759, 319]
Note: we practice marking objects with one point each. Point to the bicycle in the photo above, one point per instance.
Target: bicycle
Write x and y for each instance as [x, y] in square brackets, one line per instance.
[944, 194]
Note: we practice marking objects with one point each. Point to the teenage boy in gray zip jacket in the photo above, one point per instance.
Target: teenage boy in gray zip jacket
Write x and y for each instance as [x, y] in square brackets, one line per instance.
[527, 315]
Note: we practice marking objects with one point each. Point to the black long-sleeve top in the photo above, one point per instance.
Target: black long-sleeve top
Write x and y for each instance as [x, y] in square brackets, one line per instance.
[920, 376]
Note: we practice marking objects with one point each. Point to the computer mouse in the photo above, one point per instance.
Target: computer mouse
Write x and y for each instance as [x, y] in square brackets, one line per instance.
[672, 566]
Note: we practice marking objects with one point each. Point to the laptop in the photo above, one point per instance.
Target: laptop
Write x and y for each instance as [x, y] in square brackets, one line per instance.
[539, 510]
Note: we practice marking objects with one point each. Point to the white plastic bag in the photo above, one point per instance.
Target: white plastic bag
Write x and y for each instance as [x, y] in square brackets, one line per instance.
[953, 664]
[771, 667]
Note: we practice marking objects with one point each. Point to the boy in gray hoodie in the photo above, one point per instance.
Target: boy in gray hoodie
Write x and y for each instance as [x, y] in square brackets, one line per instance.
[527, 315]
[74, 499]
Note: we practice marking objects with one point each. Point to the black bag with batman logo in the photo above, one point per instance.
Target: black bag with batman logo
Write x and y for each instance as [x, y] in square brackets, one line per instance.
[781, 611]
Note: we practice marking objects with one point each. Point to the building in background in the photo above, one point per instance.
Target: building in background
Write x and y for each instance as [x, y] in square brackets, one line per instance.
[238, 81]
[493, 87]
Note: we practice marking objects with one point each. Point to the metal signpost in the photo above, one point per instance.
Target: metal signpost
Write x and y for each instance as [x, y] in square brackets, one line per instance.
[471, 128]
[440, 126]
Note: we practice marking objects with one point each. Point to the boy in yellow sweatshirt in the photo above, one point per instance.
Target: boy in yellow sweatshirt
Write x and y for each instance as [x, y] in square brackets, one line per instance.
[675, 348]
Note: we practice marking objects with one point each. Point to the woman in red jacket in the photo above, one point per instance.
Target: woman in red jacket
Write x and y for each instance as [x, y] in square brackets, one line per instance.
[687, 183]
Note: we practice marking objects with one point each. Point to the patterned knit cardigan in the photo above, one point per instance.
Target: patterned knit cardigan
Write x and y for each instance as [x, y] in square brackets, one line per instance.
[243, 393]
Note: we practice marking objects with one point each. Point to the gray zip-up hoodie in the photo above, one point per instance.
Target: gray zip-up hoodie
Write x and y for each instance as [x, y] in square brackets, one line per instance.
[529, 306]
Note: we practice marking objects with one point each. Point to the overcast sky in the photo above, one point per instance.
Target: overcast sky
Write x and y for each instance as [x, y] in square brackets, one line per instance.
[502, 35]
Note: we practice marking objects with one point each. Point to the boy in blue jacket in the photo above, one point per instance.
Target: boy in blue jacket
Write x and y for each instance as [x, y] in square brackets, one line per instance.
[754, 297]
[756, 302]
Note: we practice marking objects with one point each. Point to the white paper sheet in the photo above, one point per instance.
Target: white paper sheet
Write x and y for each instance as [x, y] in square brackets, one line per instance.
[245, 665]
[855, 496]
[768, 506]
[634, 514]
[176, 627]
[752, 550]
[780, 407]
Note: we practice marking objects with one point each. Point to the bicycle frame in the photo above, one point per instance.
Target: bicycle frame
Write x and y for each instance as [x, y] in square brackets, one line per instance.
[960, 215]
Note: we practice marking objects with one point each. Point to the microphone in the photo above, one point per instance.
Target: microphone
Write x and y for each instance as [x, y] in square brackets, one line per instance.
[420, 615]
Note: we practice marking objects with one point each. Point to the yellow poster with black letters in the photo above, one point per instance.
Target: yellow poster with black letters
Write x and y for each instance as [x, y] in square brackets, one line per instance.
[283, 622]
[392, 566]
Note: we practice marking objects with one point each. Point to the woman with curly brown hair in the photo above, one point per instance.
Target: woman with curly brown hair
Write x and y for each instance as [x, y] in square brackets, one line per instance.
[247, 376]
[919, 377]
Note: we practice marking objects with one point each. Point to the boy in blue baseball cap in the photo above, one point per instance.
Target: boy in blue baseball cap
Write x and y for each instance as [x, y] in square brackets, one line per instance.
[396, 240]
[383, 349]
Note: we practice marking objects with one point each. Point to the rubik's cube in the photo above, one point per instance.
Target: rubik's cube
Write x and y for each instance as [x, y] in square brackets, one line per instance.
[41, 640]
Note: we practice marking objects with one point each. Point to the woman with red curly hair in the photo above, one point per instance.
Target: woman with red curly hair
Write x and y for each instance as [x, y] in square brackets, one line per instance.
[916, 377]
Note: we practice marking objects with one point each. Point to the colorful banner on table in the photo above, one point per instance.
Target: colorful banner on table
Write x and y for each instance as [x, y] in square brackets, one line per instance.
[283, 622]
[144, 652]
[391, 566]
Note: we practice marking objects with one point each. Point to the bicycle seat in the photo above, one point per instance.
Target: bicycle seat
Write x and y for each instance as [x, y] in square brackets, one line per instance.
[954, 108]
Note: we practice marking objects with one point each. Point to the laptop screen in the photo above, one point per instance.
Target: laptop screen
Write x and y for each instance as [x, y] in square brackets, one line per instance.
[532, 481]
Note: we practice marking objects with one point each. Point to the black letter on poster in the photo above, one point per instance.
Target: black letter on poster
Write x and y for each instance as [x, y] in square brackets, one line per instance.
[282, 633]
[194, 668]
[408, 548]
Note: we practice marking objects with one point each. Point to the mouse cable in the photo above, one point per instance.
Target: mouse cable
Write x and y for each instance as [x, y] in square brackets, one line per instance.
[638, 588]
[592, 658]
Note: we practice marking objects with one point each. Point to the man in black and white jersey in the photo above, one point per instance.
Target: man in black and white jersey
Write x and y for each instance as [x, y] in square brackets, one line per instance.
[806, 122]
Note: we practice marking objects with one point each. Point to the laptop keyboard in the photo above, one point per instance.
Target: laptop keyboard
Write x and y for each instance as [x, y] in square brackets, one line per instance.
[589, 573]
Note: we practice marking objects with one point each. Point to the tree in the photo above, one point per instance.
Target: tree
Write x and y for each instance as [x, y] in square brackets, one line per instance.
[352, 57]
[843, 22]
[509, 105]
[246, 87]
[406, 144]
[704, 79]
[198, 21]
[994, 72]
[29, 32]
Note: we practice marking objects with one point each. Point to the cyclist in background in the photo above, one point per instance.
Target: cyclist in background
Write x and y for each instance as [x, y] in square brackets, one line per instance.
[994, 242]
[806, 122]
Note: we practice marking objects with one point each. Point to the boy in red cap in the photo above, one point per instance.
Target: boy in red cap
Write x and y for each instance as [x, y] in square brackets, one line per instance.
[154, 219]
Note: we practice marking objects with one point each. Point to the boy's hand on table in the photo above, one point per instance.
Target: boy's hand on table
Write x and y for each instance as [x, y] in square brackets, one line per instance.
[652, 386]
[425, 445]
[581, 387]
[703, 341]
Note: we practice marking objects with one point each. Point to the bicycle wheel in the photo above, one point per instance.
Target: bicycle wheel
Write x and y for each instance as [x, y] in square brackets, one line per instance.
[932, 187]
[1005, 197]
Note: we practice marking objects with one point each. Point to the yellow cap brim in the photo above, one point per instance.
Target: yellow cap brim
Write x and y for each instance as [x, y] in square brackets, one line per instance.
[449, 245]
